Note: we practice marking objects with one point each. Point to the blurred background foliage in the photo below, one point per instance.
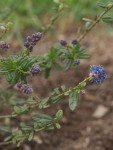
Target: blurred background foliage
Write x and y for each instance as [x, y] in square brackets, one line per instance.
[35, 14]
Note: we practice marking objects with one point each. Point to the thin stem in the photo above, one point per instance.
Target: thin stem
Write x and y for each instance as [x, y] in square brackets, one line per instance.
[53, 19]
[8, 116]
[22, 71]
[15, 70]
[3, 71]
[94, 23]
[5, 143]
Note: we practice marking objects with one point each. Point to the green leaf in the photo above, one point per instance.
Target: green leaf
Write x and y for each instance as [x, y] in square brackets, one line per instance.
[26, 127]
[8, 138]
[5, 129]
[59, 114]
[43, 102]
[56, 90]
[107, 19]
[42, 120]
[82, 84]
[55, 99]
[73, 100]
[87, 25]
[102, 5]
[63, 88]
[58, 126]
[84, 56]
[17, 110]
[24, 108]
[68, 64]
[58, 66]
[47, 72]
[31, 135]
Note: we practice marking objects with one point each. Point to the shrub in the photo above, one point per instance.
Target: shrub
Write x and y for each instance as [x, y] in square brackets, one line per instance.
[63, 56]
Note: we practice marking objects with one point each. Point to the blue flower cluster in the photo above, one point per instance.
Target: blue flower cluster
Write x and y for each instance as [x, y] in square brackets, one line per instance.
[97, 74]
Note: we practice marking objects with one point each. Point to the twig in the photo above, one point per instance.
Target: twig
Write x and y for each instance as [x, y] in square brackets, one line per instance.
[5, 143]
[94, 23]
[53, 19]
[8, 116]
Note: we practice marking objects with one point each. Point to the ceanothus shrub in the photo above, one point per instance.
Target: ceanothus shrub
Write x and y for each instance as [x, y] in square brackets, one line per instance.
[63, 56]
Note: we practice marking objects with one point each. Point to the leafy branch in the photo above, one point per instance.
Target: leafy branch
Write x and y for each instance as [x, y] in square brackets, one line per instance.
[92, 24]
[39, 122]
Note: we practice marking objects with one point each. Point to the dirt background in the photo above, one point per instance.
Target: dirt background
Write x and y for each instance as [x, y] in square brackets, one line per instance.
[90, 126]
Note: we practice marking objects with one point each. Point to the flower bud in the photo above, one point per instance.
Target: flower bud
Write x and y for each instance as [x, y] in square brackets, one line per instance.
[35, 69]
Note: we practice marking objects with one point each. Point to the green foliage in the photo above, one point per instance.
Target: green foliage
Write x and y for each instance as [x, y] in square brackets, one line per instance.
[42, 120]
[16, 68]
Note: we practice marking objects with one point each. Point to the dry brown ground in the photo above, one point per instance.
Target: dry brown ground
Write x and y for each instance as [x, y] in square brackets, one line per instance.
[81, 130]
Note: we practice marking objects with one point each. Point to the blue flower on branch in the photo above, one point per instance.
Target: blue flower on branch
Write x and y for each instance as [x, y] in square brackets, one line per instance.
[97, 74]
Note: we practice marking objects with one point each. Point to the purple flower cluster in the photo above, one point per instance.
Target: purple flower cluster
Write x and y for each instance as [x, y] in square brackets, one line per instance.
[64, 42]
[97, 74]
[35, 69]
[4, 45]
[77, 61]
[32, 40]
[26, 89]
[74, 42]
